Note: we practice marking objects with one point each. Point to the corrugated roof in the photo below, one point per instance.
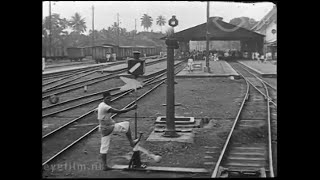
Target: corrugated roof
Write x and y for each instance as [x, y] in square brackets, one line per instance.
[218, 30]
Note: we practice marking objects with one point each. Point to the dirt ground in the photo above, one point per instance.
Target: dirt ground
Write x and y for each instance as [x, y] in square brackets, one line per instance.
[218, 99]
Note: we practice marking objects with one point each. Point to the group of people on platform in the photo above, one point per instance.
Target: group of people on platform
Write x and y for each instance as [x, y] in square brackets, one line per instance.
[215, 55]
[261, 58]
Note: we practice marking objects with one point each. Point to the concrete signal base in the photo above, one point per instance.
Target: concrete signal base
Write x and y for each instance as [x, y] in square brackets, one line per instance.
[186, 134]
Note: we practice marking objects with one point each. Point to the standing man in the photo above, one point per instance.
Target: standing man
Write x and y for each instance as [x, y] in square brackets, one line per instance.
[257, 56]
[108, 57]
[190, 64]
[43, 64]
[107, 126]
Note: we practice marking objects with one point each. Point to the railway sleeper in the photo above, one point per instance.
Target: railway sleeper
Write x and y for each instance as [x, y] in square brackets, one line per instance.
[241, 173]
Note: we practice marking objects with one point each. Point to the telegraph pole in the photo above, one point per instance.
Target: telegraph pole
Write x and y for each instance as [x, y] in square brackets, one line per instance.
[135, 28]
[207, 69]
[92, 25]
[50, 28]
[118, 29]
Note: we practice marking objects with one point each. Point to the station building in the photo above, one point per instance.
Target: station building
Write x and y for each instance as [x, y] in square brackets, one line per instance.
[268, 27]
[218, 30]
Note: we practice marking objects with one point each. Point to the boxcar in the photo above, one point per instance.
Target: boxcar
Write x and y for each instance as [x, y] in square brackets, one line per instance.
[99, 53]
[56, 53]
[87, 51]
[75, 53]
[124, 52]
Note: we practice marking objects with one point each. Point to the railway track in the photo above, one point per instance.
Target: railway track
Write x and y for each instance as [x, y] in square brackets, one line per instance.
[64, 64]
[70, 73]
[272, 90]
[83, 100]
[248, 151]
[59, 141]
[260, 84]
[92, 78]
[83, 73]
[67, 73]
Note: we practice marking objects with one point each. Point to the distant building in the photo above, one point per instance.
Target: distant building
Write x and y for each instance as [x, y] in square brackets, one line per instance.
[214, 45]
[268, 27]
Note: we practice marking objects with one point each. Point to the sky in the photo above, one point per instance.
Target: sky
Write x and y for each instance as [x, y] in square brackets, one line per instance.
[188, 13]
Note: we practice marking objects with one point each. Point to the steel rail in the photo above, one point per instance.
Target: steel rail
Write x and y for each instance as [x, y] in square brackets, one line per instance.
[99, 79]
[262, 81]
[265, 96]
[269, 131]
[215, 171]
[65, 82]
[214, 174]
[73, 74]
[90, 95]
[107, 77]
[147, 82]
[83, 69]
[61, 74]
[95, 128]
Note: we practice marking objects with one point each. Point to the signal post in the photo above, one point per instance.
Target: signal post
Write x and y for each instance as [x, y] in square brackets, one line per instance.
[172, 44]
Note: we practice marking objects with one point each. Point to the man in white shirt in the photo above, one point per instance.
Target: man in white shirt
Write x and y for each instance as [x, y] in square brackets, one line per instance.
[43, 64]
[190, 64]
[107, 126]
[257, 56]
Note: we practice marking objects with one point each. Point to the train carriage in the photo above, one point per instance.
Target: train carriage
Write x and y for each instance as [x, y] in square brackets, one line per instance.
[75, 53]
[56, 53]
[125, 51]
[99, 53]
[87, 51]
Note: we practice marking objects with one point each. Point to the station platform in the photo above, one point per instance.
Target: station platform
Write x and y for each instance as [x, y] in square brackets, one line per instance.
[217, 68]
[267, 69]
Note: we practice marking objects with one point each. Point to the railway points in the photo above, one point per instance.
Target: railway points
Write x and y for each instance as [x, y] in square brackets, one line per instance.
[267, 69]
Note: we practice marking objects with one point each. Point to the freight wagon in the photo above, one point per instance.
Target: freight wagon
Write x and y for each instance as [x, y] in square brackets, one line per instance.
[75, 53]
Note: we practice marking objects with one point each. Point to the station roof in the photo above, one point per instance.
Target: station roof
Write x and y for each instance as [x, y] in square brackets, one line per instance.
[218, 30]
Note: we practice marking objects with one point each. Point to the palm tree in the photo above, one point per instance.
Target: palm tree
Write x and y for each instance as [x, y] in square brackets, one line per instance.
[161, 21]
[78, 24]
[146, 21]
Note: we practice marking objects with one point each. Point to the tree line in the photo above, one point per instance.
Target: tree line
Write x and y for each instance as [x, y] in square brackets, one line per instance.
[71, 32]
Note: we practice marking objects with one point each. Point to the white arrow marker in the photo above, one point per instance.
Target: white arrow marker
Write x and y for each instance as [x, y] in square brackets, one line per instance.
[130, 84]
[135, 67]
